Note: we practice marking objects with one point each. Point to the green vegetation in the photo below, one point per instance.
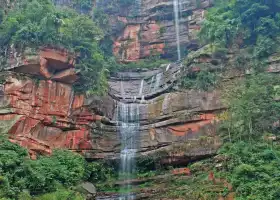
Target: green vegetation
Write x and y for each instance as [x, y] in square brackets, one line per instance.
[22, 177]
[250, 24]
[249, 159]
[202, 80]
[82, 5]
[19, 173]
[253, 109]
[250, 134]
[238, 34]
[253, 169]
[153, 61]
[36, 23]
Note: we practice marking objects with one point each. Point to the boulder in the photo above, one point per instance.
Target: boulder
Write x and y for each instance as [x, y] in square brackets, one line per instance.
[88, 189]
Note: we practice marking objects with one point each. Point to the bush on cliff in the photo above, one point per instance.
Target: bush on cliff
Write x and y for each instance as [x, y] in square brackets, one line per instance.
[35, 23]
[252, 24]
[253, 109]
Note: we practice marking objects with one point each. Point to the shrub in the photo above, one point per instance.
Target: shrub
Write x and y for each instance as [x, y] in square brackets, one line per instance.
[36, 23]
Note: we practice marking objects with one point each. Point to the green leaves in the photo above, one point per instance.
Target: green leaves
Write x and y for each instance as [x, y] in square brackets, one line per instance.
[203, 80]
[253, 109]
[243, 23]
[253, 169]
[19, 173]
[35, 23]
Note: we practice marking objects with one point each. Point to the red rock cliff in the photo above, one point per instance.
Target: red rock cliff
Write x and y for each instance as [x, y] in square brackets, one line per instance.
[45, 114]
[150, 29]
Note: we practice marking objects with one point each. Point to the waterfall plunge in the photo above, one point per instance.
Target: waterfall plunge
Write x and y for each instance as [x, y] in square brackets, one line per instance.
[176, 6]
[128, 123]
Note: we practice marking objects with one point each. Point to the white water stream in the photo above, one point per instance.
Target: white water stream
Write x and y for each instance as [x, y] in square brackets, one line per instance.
[141, 87]
[128, 125]
[176, 4]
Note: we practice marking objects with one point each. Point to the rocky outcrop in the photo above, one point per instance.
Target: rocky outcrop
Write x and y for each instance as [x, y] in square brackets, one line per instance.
[42, 112]
[181, 125]
[185, 121]
[151, 30]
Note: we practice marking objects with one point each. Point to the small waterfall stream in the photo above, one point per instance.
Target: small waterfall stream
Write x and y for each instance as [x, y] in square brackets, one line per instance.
[138, 7]
[176, 6]
[122, 90]
[157, 82]
[128, 124]
[141, 87]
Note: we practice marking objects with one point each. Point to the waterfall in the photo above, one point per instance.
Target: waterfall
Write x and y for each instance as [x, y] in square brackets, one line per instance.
[151, 84]
[157, 82]
[142, 99]
[122, 90]
[167, 67]
[177, 26]
[141, 87]
[128, 124]
[138, 7]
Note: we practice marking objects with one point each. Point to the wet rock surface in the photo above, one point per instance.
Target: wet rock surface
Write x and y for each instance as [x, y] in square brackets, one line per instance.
[42, 114]
[152, 30]
[41, 111]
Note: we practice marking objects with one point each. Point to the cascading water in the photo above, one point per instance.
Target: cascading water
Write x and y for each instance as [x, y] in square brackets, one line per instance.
[122, 90]
[158, 81]
[141, 87]
[151, 84]
[138, 5]
[176, 4]
[167, 67]
[128, 123]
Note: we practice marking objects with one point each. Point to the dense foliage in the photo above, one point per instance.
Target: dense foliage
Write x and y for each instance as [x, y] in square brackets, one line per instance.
[253, 109]
[244, 23]
[38, 23]
[19, 173]
[249, 158]
[21, 177]
[250, 130]
[203, 80]
[253, 169]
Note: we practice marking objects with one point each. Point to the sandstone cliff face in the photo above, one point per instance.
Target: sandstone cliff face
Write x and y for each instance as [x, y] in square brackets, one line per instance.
[40, 110]
[42, 114]
[181, 124]
[151, 30]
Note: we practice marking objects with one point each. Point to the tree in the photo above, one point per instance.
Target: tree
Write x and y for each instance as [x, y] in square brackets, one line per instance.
[244, 23]
[252, 107]
[36, 23]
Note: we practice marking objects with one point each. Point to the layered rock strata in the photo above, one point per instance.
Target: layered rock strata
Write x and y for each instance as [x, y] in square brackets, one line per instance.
[40, 110]
[152, 29]
[171, 122]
